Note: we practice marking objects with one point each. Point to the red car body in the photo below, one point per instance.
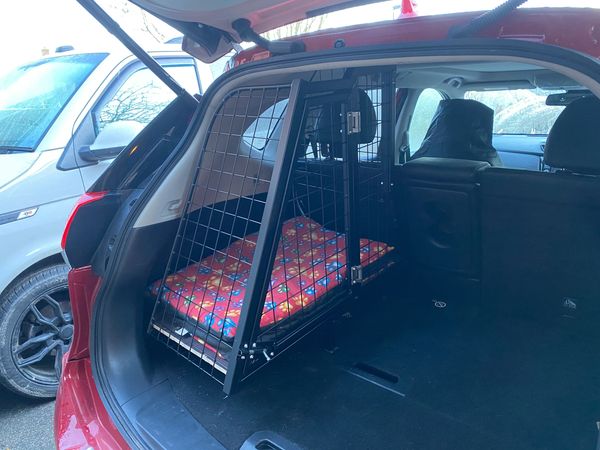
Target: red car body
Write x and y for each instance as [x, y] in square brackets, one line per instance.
[81, 419]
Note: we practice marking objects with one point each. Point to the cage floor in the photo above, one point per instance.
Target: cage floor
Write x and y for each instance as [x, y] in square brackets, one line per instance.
[192, 347]
[310, 263]
[416, 377]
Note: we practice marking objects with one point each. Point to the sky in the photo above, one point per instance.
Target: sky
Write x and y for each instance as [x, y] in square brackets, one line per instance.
[28, 26]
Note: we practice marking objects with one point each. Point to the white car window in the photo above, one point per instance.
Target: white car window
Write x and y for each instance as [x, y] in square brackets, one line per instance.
[424, 111]
[143, 95]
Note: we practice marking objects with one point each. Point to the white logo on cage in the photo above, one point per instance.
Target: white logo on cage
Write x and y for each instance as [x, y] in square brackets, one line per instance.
[439, 303]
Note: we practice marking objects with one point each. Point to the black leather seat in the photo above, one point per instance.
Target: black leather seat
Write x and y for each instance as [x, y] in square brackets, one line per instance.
[441, 201]
[461, 129]
[541, 231]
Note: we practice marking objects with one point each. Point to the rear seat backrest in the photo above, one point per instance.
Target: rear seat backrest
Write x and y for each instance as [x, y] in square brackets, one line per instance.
[442, 213]
[541, 231]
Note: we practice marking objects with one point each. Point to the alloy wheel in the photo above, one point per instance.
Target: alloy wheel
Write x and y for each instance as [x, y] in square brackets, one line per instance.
[43, 336]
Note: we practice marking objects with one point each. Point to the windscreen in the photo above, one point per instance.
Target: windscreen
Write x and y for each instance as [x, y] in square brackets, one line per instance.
[32, 97]
[519, 111]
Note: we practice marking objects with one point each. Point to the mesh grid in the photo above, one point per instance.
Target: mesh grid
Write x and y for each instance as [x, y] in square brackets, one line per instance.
[375, 158]
[311, 263]
[310, 260]
[201, 299]
[320, 234]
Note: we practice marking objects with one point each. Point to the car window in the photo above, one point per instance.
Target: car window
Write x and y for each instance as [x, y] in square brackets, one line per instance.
[423, 113]
[142, 96]
[519, 111]
[369, 151]
[261, 130]
[32, 96]
[266, 127]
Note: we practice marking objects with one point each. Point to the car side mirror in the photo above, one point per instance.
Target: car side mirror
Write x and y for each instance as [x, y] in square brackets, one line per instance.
[111, 140]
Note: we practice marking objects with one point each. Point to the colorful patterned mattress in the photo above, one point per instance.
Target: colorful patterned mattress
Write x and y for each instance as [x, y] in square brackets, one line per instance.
[310, 262]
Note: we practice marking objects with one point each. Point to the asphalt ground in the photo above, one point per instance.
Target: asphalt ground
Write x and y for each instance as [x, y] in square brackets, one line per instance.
[24, 423]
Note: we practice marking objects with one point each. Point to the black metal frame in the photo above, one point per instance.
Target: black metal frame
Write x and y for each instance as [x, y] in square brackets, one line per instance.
[253, 346]
[350, 158]
[165, 325]
[252, 352]
[268, 238]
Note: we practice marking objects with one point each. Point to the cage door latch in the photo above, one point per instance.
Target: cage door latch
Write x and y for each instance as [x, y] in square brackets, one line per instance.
[356, 274]
[353, 121]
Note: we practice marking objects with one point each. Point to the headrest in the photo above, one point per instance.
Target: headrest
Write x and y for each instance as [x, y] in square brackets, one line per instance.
[461, 129]
[329, 123]
[574, 140]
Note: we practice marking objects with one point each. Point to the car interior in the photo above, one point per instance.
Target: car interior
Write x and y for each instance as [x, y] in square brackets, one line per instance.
[417, 277]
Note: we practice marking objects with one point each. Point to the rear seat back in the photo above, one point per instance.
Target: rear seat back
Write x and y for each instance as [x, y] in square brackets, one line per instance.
[541, 231]
[442, 213]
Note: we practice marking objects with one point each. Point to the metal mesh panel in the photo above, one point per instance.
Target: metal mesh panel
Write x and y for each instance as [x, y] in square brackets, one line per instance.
[310, 261]
[328, 75]
[374, 163]
[274, 260]
[201, 298]
[312, 264]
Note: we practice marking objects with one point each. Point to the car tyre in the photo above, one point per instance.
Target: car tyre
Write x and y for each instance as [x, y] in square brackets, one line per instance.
[36, 328]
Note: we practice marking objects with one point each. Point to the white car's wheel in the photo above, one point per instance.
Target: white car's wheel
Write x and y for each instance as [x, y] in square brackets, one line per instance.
[36, 328]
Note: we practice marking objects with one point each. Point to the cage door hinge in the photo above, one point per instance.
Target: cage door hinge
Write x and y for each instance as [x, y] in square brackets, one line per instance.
[353, 122]
[356, 275]
[255, 350]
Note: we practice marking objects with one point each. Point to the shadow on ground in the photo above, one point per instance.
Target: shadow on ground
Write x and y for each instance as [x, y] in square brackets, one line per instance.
[24, 423]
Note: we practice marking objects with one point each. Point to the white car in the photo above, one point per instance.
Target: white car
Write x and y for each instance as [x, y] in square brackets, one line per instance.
[62, 120]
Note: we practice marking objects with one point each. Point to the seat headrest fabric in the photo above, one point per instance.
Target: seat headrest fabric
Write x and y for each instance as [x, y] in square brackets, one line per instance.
[461, 129]
[574, 140]
[329, 123]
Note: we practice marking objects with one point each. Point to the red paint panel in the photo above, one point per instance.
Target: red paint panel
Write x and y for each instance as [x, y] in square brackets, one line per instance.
[571, 28]
[80, 418]
[83, 286]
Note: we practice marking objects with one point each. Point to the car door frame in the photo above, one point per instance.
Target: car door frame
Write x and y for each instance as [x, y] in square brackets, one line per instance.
[70, 158]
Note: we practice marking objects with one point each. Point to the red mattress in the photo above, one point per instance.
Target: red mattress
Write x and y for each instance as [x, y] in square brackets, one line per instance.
[310, 261]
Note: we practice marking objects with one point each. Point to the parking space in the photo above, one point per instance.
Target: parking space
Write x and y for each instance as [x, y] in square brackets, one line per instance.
[25, 424]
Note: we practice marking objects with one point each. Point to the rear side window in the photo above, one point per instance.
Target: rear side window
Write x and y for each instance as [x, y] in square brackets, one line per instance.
[370, 151]
[423, 113]
[519, 111]
[261, 130]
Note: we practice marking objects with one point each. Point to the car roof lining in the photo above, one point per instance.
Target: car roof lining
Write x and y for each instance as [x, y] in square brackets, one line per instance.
[160, 207]
[490, 73]
[474, 75]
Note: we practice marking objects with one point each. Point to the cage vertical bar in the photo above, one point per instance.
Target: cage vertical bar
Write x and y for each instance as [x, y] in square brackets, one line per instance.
[268, 237]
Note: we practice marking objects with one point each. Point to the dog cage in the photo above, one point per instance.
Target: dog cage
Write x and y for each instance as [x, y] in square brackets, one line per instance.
[287, 217]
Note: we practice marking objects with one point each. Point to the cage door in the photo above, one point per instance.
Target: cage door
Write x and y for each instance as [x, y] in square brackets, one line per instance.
[286, 289]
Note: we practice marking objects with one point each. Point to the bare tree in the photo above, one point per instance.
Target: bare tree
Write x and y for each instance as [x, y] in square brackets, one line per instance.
[132, 103]
[145, 24]
[149, 26]
[293, 29]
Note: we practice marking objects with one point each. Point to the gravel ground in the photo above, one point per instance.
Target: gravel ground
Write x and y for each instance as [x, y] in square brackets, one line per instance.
[25, 424]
